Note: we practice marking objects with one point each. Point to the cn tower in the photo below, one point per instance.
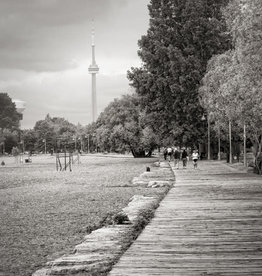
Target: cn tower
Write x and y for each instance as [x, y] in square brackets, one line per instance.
[93, 70]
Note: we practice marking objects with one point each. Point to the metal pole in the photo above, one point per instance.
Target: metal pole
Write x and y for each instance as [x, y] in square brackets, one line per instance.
[208, 138]
[218, 154]
[65, 159]
[88, 144]
[230, 143]
[70, 161]
[245, 147]
[56, 161]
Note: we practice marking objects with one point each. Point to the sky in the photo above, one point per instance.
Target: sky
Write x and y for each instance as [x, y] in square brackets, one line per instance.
[45, 52]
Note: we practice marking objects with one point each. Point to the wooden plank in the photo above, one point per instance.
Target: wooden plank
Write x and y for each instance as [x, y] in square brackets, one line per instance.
[209, 224]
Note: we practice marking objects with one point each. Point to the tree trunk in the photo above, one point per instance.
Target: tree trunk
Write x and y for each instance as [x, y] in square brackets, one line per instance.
[258, 155]
[245, 148]
[138, 153]
[219, 142]
[230, 144]
[208, 138]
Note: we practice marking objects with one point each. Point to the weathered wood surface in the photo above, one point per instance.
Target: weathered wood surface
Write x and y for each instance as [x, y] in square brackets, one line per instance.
[210, 223]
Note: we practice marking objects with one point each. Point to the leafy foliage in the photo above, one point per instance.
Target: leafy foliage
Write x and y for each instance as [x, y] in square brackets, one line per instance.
[57, 132]
[182, 37]
[121, 127]
[29, 137]
[9, 140]
[9, 117]
[9, 123]
[232, 85]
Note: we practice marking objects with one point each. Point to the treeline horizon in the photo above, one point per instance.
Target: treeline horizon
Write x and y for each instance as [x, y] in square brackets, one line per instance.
[200, 59]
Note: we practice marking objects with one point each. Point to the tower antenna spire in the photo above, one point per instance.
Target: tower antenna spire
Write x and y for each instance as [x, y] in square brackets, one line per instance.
[93, 33]
[93, 70]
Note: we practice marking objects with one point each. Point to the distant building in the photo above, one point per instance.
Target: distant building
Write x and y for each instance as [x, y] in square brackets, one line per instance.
[20, 107]
[93, 70]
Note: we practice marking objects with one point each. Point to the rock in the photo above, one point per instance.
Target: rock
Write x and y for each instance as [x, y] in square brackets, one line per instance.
[158, 174]
[159, 184]
[157, 164]
[103, 246]
[91, 269]
[139, 203]
[137, 181]
[93, 246]
[42, 272]
[164, 165]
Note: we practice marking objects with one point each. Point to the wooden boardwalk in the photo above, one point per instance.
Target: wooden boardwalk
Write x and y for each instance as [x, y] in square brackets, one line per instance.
[210, 223]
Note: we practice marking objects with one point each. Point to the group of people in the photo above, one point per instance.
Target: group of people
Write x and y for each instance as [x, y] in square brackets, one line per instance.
[170, 153]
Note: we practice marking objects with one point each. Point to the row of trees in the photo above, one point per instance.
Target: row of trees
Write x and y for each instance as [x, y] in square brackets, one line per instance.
[120, 128]
[182, 37]
[54, 134]
[231, 87]
[165, 109]
[198, 57]
[50, 134]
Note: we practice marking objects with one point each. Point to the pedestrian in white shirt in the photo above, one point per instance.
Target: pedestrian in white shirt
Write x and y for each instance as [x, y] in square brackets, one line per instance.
[195, 157]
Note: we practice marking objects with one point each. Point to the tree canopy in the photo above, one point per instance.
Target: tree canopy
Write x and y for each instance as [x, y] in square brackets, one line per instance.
[233, 82]
[9, 123]
[121, 127]
[54, 131]
[9, 117]
[182, 37]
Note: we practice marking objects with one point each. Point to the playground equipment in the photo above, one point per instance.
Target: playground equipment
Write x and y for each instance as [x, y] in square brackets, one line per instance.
[65, 160]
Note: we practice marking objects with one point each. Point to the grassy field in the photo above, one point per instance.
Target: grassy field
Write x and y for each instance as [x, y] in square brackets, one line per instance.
[45, 213]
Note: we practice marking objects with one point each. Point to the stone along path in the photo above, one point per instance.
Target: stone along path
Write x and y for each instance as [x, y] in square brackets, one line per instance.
[209, 224]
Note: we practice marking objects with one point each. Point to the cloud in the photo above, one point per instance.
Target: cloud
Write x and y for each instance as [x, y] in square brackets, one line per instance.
[43, 35]
[65, 94]
[47, 35]
[45, 51]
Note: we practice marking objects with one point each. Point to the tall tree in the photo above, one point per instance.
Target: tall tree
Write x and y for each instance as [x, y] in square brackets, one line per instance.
[9, 117]
[122, 127]
[182, 37]
[9, 123]
[54, 132]
[29, 139]
[233, 81]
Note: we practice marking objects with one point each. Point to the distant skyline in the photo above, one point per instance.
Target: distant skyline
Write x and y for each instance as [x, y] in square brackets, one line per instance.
[45, 51]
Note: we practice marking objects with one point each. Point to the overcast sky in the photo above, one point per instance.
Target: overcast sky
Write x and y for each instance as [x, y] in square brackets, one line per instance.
[45, 51]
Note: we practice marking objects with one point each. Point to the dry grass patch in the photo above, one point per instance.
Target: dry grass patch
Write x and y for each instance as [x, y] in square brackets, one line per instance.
[45, 213]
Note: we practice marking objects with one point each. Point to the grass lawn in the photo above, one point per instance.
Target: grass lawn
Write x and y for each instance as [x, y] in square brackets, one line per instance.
[44, 213]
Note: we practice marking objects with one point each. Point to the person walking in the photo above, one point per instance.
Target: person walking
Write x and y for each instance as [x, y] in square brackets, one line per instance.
[165, 153]
[195, 157]
[184, 158]
[169, 153]
[176, 158]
